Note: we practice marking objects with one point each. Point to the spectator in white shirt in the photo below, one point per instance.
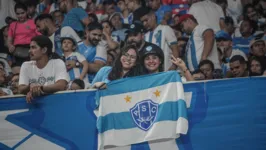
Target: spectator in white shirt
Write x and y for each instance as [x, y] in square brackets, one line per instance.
[208, 13]
[43, 74]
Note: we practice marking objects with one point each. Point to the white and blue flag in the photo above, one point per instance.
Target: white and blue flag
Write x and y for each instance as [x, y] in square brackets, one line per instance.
[141, 109]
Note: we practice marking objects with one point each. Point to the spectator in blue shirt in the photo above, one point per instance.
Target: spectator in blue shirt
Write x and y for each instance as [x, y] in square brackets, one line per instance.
[76, 18]
[163, 12]
[94, 50]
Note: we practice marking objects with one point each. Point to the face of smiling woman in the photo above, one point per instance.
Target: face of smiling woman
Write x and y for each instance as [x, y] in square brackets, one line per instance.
[152, 63]
[128, 60]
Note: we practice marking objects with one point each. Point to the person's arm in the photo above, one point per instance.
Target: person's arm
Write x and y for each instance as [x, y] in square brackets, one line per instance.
[59, 85]
[100, 58]
[24, 84]
[85, 68]
[175, 52]
[208, 37]
[23, 89]
[111, 43]
[172, 42]
[83, 16]
[95, 66]
[180, 63]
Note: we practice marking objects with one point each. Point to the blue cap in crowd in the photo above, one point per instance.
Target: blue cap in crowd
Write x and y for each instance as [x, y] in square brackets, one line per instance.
[222, 35]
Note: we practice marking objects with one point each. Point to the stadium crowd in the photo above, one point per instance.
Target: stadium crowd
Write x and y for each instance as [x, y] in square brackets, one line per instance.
[48, 46]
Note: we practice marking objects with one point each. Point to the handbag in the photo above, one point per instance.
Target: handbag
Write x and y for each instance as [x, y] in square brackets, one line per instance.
[21, 51]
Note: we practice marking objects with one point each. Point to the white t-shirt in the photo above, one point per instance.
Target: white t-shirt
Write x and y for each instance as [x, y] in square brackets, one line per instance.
[54, 70]
[195, 47]
[207, 13]
[65, 32]
[234, 9]
[164, 37]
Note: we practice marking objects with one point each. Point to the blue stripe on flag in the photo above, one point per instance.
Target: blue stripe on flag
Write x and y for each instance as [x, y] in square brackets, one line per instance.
[167, 111]
[137, 85]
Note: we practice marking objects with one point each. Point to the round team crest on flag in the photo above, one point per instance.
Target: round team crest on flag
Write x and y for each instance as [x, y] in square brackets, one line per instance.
[144, 114]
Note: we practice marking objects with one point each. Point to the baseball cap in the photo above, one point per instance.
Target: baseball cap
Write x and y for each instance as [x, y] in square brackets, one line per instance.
[135, 28]
[184, 17]
[114, 14]
[153, 49]
[255, 40]
[222, 35]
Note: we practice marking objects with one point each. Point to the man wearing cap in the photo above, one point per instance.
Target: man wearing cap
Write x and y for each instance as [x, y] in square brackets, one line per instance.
[46, 26]
[258, 49]
[135, 36]
[201, 44]
[224, 42]
[43, 74]
[163, 36]
[94, 49]
[120, 28]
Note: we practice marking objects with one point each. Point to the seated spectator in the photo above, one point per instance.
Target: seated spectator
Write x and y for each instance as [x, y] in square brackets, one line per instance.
[92, 17]
[58, 17]
[229, 26]
[126, 65]
[112, 40]
[247, 29]
[94, 49]
[109, 7]
[20, 34]
[77, 84]
[207, 67]
[163, 12]
[255, 67]
[258, 49]
[31, 9]
[45, 24]
[76, 18]
[127, 17]
[43, 74]
[238, 67]
[119, 27]
[76, 64]
[224, 42]
[14, 83]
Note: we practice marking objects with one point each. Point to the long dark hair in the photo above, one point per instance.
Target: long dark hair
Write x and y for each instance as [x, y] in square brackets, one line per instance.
[117, 68]
[44, 41]
[260, 61]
